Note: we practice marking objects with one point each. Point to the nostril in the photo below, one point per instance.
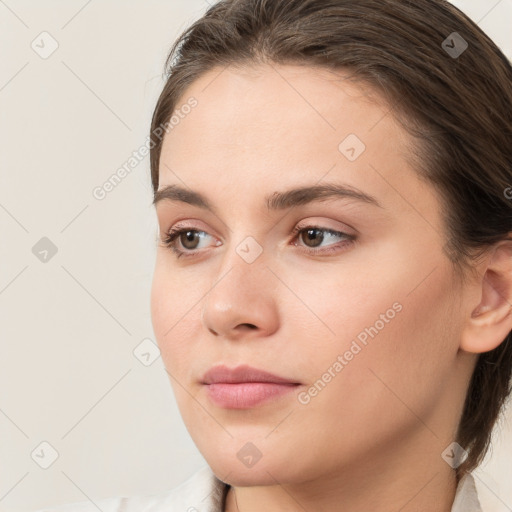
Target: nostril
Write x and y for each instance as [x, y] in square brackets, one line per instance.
[250, 326]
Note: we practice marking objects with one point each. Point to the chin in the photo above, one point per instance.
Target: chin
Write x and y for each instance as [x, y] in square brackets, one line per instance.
[267, 470]
[237, 476]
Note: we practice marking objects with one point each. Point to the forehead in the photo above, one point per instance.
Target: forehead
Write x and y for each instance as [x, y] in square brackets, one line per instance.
[255, 104]
[270, 126]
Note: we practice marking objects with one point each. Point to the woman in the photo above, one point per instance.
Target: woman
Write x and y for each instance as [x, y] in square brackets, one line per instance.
[333, 286]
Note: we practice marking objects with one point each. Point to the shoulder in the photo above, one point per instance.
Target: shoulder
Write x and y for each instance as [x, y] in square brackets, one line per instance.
[202, 492]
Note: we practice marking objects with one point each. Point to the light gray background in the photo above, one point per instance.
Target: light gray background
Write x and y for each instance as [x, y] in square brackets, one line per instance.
[68, 375]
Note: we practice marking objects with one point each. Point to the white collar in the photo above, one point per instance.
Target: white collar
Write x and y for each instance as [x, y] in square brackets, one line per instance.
[466, 496]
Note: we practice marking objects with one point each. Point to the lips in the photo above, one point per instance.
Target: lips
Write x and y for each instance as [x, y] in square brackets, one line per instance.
[244, 387]
[243, 373]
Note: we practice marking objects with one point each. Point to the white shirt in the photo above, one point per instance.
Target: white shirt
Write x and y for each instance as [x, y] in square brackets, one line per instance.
[204, 492]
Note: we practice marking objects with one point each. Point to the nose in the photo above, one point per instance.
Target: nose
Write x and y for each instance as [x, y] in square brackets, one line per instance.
[242, 303]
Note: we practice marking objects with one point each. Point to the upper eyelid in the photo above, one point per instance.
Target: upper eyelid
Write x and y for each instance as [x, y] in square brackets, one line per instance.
[298, 226]
[345, 228]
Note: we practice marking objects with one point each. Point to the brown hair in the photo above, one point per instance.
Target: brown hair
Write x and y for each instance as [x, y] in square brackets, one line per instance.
[457, 106]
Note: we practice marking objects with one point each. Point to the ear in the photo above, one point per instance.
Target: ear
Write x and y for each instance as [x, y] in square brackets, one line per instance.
[490, 321]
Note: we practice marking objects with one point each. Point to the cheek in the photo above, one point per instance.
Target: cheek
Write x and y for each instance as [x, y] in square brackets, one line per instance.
[161, 303]
[169, 316]
[402, 364]
[395, 303]
[396, 337]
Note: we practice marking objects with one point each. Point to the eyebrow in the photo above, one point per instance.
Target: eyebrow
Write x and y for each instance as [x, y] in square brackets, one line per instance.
[276, 201]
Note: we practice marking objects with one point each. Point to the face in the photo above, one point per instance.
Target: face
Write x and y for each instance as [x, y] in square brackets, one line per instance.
[348, 296]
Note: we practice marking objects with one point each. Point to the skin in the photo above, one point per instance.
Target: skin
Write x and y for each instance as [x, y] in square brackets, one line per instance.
[372, 439]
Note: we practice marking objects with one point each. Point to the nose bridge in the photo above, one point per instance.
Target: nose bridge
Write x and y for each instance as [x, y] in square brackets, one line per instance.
[241, 294]
[244, 253]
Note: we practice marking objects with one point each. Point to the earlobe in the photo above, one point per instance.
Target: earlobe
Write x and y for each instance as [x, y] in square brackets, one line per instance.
[490, 321]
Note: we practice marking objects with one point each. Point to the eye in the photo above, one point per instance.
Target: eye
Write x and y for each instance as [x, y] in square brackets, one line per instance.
[189, 239]
[313, 237]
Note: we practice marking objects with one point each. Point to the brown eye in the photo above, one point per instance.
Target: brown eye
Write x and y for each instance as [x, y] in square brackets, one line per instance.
[315, 240]
[312, 237]
[189, 239]
[185, 241]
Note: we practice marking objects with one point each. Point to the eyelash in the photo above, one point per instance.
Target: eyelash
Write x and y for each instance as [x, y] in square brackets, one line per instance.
[172, 236]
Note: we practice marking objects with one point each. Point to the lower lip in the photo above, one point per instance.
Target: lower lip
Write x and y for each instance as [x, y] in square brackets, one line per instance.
[244, 395]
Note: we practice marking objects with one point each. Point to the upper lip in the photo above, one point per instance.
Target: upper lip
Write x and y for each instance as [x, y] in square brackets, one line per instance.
[243, 373]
